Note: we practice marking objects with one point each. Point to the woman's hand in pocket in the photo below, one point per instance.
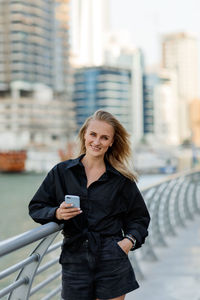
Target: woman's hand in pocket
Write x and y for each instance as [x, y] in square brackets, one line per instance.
[125, 245]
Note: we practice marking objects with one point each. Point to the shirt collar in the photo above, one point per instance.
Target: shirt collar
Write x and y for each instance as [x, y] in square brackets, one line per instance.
[74, 162]
[77, 161]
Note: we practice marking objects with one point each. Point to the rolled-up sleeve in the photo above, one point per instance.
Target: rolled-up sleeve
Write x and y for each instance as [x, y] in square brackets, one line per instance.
[136, 219]
[43, 205]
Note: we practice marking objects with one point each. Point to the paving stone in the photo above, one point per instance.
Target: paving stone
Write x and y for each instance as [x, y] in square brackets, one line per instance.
[176, 275]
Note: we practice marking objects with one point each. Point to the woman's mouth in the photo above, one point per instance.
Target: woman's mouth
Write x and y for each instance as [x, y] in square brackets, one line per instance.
[94, 148]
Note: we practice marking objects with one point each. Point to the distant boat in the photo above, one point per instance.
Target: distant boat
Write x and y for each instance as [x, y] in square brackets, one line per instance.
[13, 161]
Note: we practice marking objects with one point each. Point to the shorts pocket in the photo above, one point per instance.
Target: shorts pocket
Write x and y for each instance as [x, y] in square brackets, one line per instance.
[119, 249]
[76, 257]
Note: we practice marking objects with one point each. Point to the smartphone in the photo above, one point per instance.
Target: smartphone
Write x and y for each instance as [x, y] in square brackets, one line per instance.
[71, 199]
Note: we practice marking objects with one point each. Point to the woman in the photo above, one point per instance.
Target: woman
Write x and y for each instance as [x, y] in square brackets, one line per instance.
[112, 218]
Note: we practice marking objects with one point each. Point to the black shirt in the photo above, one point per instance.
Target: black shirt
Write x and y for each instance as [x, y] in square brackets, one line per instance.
[111, 205]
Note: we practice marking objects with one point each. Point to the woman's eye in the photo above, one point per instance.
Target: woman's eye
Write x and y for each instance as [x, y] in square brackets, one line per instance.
[92, 133]
[105, 138]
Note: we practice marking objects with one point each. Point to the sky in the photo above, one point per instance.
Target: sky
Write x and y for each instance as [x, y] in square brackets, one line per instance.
[147, 20]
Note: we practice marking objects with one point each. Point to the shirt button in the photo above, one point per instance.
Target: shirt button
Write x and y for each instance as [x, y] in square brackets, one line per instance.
[85, 243]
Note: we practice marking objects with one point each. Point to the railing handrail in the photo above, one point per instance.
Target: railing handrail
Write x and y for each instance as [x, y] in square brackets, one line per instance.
[28, 237]
[171, 177]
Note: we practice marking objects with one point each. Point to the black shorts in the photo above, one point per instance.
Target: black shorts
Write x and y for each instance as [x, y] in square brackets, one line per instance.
[86, 278]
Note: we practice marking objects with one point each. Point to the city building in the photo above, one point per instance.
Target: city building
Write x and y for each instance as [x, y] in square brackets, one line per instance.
[105, 88]
[180, 54]
[150, 82]
[89, 22]
[35, 79]
[195, 121]
[120, 52]
[166, 109]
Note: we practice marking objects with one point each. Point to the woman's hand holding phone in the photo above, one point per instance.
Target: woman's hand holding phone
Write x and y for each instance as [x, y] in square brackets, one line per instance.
[66, 211]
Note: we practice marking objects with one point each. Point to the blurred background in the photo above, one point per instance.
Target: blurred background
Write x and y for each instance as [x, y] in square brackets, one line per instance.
[61, 60]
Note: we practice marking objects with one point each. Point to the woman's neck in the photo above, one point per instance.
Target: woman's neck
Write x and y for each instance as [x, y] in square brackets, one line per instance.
[93, 162]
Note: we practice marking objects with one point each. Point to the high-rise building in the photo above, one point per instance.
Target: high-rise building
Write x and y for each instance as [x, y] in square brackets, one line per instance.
[180, 54]
[26, 43]
[106, 88]
[150, 81]
[120, 52]
[34, 70]
[89, 25]
[166, 112]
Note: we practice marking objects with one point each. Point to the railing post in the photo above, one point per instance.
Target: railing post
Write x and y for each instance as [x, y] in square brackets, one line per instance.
[165, 214]
[178, 219]
[29, 271]
[157, 236]
[148, 252]
[187, 212]
[195, 180]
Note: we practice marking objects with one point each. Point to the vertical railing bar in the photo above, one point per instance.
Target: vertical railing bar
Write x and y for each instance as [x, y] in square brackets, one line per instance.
[165, 204]
[158, 238]
[54, 247]
[177, 214]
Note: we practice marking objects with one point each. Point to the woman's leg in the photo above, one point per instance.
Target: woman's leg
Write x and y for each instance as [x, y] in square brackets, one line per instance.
[118, 298]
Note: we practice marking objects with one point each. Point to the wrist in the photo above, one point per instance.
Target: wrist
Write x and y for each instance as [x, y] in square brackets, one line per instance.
[132, 239]
[58, 214]
[127, 243]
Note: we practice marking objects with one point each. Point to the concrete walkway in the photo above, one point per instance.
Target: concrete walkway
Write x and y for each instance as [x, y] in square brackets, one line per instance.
[176, 275]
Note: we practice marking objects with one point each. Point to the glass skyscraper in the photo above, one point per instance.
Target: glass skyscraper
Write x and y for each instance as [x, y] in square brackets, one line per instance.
[150, 81]
[104, 87]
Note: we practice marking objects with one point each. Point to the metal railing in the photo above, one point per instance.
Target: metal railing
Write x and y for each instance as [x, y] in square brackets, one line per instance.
[171, 203]
[29, 267]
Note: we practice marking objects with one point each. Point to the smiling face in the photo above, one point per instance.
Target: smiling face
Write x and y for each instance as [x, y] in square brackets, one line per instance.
[98, 138]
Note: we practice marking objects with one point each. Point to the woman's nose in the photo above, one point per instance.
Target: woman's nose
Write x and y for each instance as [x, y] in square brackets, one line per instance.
[97, 141]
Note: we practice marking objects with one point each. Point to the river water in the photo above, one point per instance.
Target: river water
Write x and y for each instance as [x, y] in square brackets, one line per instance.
[16, 191]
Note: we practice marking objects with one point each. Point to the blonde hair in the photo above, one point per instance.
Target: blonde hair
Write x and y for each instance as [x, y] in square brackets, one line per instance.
[119, 153]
